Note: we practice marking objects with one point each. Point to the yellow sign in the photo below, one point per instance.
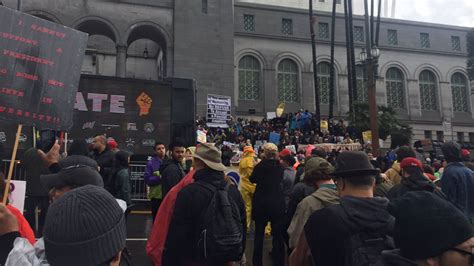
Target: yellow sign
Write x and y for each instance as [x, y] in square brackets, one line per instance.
[324, 125]
[280, 109]
[367, 136]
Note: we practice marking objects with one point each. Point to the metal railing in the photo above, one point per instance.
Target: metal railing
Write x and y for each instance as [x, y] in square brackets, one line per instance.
[18, 171]
[139, 188]
[137, 169]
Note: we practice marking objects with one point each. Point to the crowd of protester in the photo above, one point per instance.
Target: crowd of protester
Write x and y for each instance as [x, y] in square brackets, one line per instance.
[321, 208]
[293, 128]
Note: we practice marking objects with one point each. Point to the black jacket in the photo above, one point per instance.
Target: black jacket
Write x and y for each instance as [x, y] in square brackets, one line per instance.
[171, 173]
[268, 202]
[34, 167]
[414, 183]
[327, 229]
[191, 202]
[105, 161]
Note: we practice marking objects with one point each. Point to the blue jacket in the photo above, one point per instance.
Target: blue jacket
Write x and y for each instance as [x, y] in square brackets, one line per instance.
[458, 185]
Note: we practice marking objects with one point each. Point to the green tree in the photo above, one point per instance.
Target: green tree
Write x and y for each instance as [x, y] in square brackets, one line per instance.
[389, 124]
[470, 54]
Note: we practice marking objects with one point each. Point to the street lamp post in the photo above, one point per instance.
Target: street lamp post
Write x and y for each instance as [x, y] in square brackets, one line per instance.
[370, 56]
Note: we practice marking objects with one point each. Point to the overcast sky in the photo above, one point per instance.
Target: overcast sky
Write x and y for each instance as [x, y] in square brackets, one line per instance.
[451, 12]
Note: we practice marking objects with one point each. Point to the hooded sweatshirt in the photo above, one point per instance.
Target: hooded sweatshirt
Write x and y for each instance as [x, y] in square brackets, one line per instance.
[324, 197]
[414, 183]
[328, 229]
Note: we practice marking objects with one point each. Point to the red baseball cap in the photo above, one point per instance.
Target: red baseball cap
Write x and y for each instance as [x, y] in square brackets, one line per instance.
[410, 161]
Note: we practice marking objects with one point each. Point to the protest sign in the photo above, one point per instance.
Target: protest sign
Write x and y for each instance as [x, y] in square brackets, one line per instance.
[367, 136]
[218, 110]
[271, 115]
[324, 125]
[17, 195]
[40, 67]
[274, 138]
[201, 136]
[292, 148]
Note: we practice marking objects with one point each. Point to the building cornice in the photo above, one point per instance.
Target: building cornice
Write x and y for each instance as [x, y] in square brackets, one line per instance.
[343, 44]
[356, 17]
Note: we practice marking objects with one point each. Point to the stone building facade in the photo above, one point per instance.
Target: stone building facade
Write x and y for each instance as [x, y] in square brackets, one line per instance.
[260, 55]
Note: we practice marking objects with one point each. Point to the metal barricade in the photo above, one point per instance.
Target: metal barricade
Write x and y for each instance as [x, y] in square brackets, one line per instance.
[137, 169]
[139, 188]
[18, 171]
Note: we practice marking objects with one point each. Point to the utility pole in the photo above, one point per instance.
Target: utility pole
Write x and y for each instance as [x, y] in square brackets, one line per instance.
[371, 86]
[18, 5]
[315, 64]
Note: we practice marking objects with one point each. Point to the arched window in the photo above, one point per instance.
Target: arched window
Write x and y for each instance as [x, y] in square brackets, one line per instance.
[324, 75]
[460, 93]
[288, 81]
[362, 92]
[428, 91]
[395, 85]
[249, 78]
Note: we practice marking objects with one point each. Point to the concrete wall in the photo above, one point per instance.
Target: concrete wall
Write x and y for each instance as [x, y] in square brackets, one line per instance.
[204, 45]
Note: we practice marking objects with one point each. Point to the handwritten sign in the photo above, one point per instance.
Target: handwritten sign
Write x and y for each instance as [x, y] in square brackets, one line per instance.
[40, 67]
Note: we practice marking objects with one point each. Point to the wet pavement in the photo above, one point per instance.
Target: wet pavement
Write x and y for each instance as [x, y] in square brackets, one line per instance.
[139, 225]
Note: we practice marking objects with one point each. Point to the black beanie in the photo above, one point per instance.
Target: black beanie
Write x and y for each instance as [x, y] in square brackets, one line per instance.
[426, 225]
[85, 226]
[452, 151]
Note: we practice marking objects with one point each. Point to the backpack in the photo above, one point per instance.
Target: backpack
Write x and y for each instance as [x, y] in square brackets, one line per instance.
[365, 248]
[220, 234]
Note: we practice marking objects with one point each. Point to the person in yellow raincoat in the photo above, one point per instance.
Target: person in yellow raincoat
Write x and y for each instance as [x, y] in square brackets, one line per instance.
[247, 188]
[246, 165]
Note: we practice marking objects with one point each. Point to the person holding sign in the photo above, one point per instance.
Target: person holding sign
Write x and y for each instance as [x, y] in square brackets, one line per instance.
[24, 227]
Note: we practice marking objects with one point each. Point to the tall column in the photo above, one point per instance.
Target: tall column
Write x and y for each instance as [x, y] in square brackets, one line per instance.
[121, 61]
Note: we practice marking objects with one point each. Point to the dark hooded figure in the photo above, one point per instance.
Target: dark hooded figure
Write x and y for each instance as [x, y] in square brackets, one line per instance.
[121, 177]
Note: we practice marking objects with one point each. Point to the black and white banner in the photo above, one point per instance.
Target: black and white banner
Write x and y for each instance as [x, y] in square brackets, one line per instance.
[218, 110]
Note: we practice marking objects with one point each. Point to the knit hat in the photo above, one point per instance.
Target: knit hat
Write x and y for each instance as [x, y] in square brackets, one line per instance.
[112, 144]
[426, 225]
[270, 150]
[410, 161]
[84, 227]
[284, 152]
[235, 177]
[452, 151]
[76, 171]
[270, 147]
[354, 163]
[317, 163]
[466, 154]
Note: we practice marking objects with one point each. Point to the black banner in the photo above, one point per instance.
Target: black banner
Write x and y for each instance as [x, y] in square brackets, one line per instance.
[133, 112]
[40, 65]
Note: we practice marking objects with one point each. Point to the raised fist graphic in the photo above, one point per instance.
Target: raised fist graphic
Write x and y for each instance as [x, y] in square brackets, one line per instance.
[144, 102]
